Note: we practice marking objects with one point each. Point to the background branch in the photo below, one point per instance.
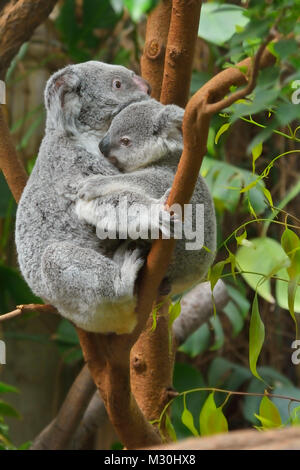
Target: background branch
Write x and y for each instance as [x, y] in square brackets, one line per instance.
[197, 307]
[250, 439]
[58, 434]
[18, 21]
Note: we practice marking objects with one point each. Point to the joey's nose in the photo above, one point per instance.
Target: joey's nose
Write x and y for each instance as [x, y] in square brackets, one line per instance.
[104, 146]
[142, 84]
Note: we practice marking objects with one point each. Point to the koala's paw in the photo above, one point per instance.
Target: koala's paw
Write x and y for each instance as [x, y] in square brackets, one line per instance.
[169, 223]
[88, 190]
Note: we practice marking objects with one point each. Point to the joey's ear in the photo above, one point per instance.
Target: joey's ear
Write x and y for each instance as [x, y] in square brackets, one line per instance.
[62, 98]
[168, 121]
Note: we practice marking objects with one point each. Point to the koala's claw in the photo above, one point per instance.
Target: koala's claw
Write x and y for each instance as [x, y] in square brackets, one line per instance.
[164, 198]
[169, 224]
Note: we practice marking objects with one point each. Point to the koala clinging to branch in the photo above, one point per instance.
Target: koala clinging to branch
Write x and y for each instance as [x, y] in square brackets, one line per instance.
[144, 142]
[59, 256]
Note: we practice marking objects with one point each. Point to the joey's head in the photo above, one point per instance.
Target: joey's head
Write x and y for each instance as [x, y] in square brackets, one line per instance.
[143, 133]
[85, 97]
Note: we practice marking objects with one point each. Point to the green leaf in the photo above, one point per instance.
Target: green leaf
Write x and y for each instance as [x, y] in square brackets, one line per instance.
[218, 22]
[226, 181]
[240, 299]
[174, 312]
[291, 245]
[283, 386]
[170, 428]
[198, 342]
[295, 416]
[4, 388]
[221, 131]
[215, 273]
[269, 412]
[290, 242]
[249, 260]
[187, 377]
[8, 410]
[268, 196]
[235, 317]
[188, 419]
[282, 292]
[212, 419]
[137, 8]
[218, 332]
[241, 238]
[256, 153]
[286, 47]
[226, 374]
[256, 337]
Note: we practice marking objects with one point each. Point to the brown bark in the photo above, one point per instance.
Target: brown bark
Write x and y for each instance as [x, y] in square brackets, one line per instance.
[10, 164]
[58, 434]
[152, 60]
[18, 20]
[275, 439]
[179, 57]
[28, 308]
[152, 361]
[107, 357]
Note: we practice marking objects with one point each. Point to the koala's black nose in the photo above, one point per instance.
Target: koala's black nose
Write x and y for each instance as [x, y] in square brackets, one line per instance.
[104, 146]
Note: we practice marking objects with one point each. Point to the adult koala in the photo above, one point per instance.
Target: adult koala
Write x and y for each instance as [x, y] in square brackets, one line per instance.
[59, 256]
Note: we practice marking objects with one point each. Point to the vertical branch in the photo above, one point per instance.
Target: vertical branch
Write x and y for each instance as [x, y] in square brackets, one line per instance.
[151, 360]
[107, 357]
[10, 164]
[152, 60]
[180, 52]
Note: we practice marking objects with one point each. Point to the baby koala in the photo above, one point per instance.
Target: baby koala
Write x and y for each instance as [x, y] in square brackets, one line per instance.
[144, 142]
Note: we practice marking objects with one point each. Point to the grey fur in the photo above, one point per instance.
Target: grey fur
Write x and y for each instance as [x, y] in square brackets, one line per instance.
[149, 163]
[60, 257]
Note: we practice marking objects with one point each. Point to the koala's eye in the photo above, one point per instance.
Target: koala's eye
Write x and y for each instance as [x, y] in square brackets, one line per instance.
[117, 84]
[125, 141]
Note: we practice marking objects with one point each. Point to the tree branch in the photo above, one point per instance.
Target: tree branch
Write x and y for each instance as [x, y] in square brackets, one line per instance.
[93, 419]
[10, 164]
[276, 439]
[18, 21]
[58, 434]
[41, 308]
[152, 60]
[180, 52]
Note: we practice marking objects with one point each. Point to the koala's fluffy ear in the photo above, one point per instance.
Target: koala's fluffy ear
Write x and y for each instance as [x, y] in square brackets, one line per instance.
[62, 99]
[168, 122]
